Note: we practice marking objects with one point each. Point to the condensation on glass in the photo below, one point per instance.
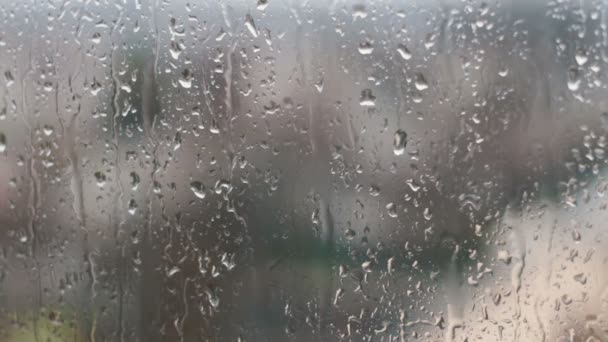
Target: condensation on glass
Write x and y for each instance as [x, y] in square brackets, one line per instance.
[268, 170]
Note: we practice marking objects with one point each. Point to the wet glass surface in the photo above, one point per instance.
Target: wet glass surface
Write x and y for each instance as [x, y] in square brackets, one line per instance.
[303, 170]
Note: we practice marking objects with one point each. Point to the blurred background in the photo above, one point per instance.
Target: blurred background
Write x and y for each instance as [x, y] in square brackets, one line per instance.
[265, 170]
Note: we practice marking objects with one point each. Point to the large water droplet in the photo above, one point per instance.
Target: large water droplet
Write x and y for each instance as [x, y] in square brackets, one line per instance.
[399, 142]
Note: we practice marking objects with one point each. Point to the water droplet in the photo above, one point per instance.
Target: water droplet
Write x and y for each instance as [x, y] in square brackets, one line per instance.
[349, 234]
[132, 207]
[359, 11]
[134, 181]
[366, 48]
[421, 83]
[2, 142]
[399, 142]
[391, 208]
[96, 38]
[228, 261]
[576, 235]
[8, 76]
[198, 189]
[262, 4]
[367, 98]
[574, 80]
[503, 72]
[250, 24]
[223, 187]
[404, 52]
[175, 49]
[319, 85]
[47, 130]
[101, 178]
[581, 278]
[581, 57]
[186, 79]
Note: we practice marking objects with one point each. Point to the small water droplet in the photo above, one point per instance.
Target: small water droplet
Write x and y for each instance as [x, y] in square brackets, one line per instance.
[399, 142]
[96, 38]
[198, 189]
[47, 130]
[132, 207]
[2, 142]
[223, 187]
[404, 52]
[349, 234]
[134, 181]
[101, 178]
[391, 208]
[574, 80]
[186, 79]
[366, 48]
[576, 235]
[175, 49]
[250, 24]
[581, 57]
[367, 98]
[262, 4]
[421, 83]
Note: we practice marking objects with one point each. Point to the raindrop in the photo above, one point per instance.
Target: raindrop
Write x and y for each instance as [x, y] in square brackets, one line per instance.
[367, 98]
[421, 83]
[101, 178]
[132, 207]
[349, 234]
[223, 187]
[366, 48]
[576, 235]
[175, 49]
[134, 181]
[392, 209]
[404, 52]
[399, 142]
[198, 189]
[96, 38]
[47, 130]
[581, 57]
[574, 80]
[251, 25]
[262, 4]
[186, 79]
[2, 142]
[8, 76]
